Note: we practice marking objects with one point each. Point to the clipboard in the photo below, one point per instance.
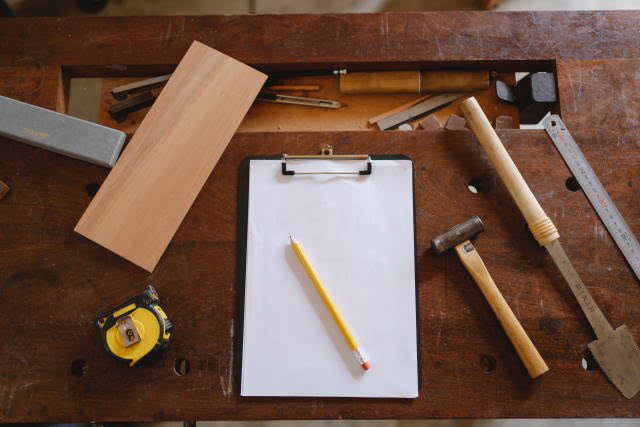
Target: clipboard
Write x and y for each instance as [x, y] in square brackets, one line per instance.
[290, 345]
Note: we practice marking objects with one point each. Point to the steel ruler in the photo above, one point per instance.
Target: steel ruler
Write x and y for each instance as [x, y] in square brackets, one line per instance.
[592, 187]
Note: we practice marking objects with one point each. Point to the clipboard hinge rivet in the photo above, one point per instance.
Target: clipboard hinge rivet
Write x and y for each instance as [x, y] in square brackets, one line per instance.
[326, 150]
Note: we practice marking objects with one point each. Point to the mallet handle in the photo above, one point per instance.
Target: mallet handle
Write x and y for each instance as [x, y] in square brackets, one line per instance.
[540, 225]
[528, 353]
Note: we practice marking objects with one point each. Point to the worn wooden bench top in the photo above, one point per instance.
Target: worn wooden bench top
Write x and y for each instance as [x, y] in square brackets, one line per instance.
[53, 281]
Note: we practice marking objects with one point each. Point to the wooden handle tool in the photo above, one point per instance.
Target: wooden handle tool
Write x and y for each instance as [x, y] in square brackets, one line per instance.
[539, 223]
[533, 362]
[458, 238]
[414, 81]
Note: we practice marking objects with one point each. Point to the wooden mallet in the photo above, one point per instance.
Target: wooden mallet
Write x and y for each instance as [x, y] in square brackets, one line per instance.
[458, 238]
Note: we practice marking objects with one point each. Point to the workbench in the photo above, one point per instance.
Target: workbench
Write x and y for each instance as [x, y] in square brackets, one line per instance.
[53, 281]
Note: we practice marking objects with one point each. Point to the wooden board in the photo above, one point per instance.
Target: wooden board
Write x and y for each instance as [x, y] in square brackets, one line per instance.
[152, 186]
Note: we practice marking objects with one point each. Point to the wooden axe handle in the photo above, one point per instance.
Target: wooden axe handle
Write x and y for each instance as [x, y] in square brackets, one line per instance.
[540, 225]
[528, 353]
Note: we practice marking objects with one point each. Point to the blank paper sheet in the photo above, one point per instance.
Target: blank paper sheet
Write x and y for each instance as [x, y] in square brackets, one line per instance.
[358, 233]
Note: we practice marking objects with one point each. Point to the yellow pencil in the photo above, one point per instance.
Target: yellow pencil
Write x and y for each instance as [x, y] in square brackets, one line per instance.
[357, 351]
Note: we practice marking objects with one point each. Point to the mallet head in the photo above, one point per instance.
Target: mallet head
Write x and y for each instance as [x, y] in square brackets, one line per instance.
[457, 234]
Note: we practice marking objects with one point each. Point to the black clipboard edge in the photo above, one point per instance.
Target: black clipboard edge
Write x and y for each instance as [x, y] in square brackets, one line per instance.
[241, 265]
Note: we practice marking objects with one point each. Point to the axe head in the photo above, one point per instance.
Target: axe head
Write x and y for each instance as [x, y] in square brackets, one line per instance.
[619, 357]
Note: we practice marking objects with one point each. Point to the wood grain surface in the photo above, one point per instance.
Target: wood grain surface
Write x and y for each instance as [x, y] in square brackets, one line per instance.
[53, 281]
[158, 176]
[601, 94]
[298, 41]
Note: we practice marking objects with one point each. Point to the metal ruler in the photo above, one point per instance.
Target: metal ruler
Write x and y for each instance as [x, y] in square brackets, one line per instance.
[594, 190]
[297, 100]
[418, 109]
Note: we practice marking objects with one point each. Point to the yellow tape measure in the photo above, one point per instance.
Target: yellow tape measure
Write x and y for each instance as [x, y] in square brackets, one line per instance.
[136, 328]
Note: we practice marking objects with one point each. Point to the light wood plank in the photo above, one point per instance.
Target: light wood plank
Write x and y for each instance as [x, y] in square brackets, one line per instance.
[149, 191]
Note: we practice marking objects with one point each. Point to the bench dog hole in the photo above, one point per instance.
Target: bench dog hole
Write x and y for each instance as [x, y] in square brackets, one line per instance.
[488, 363]
[478, 185]
[78, 367]
[181, 367]
[589, 362]
[572, 184]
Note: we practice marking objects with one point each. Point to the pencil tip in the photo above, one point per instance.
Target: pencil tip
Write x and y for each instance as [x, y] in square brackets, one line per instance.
[291, 238]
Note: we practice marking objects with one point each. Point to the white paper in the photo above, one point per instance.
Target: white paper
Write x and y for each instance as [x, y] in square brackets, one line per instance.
[358, 233]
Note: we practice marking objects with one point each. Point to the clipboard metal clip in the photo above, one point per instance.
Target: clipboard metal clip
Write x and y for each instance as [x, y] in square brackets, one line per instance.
[326, 154]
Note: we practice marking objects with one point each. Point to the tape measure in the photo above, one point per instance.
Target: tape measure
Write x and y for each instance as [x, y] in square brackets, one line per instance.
[595, 192]
[135, 328]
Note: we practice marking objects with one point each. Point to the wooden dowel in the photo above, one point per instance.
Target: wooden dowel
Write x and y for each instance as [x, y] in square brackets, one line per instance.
[540, 225]
[533, 362]
[439, 81]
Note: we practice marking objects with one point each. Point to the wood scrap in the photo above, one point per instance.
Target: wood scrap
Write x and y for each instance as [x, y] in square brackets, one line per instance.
[430, 123]
[144, 199]
[455, 122]
[504, 122]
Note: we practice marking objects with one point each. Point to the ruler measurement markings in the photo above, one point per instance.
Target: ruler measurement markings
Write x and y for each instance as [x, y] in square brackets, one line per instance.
[595, 191]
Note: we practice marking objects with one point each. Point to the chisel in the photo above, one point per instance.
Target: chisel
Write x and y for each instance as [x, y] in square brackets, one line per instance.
[615, 350]
[122, 92]
[120, 110]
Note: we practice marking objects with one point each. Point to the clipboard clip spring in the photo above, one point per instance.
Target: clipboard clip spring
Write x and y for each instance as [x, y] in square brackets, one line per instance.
[326, 154]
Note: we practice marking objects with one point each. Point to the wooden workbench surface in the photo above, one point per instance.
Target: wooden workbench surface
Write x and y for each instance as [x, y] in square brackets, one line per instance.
[53, 281]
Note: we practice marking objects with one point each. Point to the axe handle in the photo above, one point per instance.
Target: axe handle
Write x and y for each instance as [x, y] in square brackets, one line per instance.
[539, 223]
[528, 353]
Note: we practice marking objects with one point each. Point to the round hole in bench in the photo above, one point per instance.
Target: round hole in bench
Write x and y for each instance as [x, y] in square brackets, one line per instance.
[181, 366]
[572, 184]
[488, 363]
[78, 367]
[478, 185]
[589, 362]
